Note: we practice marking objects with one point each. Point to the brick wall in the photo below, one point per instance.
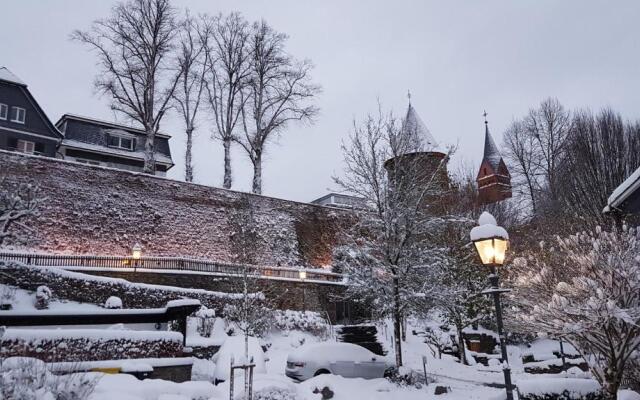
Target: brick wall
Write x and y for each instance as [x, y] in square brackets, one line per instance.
[94, 210]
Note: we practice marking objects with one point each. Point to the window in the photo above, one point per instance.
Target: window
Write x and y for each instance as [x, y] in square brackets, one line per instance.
[18, 114]
[122, 142]
[4, 111]
[25, 146]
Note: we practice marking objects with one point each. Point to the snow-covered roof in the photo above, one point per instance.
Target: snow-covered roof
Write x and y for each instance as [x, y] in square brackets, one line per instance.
[6, 75]
[137, 155]
[622, 192]
[491, 152]
[413, 125]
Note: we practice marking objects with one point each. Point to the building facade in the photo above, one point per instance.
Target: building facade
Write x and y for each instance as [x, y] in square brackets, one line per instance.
[95, 142]
[24, 126]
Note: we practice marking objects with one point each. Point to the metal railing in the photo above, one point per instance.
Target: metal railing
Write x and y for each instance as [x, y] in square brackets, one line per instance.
[170, 263]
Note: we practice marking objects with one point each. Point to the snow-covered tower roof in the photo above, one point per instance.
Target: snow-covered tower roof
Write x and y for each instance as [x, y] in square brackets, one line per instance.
[413, 125]
[491, 153]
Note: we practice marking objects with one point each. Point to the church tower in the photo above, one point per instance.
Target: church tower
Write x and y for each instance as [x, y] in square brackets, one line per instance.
[494, 180]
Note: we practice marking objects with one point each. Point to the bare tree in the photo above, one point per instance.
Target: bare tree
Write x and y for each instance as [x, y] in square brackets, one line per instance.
[279, 90]
[18, 202]
[134, 47]
[535, 146]
[387, 253]
[601, 152]
[523, 163]
[227, 71]
[192, 67]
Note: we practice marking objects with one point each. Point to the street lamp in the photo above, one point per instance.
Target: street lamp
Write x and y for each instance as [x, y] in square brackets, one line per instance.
[491, 242]
[136, 253]
[303, 275]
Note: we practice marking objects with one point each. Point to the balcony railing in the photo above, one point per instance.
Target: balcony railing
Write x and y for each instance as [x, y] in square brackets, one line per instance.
[171, 264]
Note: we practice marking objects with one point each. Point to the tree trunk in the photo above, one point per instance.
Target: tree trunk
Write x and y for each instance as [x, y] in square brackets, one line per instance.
[226, 143]
[397, 328]
[461, 347]
[611, 384]
[149, 154]
[188, 167]
[257, 174]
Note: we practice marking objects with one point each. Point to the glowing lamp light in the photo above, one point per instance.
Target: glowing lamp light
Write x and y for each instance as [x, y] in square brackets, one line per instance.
[136, 251]
[302, 274]
[491, 241]
[492, 251]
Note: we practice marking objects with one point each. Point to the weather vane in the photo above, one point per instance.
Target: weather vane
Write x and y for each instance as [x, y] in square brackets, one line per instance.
[485, 117]
[409, 95]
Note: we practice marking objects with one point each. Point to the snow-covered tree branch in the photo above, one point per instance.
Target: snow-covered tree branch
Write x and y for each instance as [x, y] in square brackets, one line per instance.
[586, 290]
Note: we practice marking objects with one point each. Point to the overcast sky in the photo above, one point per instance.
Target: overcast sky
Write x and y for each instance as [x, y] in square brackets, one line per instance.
[457, 58]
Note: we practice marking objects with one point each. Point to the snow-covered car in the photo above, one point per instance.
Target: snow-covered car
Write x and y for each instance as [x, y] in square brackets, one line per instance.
[344, 359]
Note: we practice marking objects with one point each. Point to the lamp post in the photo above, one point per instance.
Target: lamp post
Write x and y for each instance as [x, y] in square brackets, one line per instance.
[491, 242]
[303, 275]
[136, 253]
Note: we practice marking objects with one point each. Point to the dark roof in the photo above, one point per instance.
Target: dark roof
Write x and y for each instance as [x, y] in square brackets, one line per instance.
[491, 152]
[92, 135]
[626, 197]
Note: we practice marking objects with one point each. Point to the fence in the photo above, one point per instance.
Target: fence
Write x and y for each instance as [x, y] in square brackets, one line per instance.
[171, 263]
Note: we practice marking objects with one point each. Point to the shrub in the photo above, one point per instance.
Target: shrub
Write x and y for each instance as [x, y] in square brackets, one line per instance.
[43, 297]
[113, 302]
[307, 321]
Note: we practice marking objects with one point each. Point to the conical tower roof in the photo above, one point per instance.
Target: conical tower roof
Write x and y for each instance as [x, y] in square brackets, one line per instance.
[413, 125]
[491, 153]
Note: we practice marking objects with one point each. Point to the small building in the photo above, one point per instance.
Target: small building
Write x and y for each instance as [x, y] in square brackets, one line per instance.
[341, 201]
[494, 180]
[625, 199]
[108, 144]
[24, 126]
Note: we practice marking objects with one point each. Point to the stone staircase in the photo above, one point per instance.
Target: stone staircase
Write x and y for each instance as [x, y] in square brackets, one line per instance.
[362, 335]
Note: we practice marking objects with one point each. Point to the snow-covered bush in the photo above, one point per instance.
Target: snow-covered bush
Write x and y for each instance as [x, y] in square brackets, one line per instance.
[559, 389]
[275, 393]
[253, 320]
[28, 379]
[585, 291]
[7, 296]
[43, 297]
[308, 321]
[113, 302]
[206, 321]
[405, 376]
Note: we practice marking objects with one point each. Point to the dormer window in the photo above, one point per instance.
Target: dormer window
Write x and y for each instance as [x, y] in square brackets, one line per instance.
[4, 111]
[18, 114]
[122, 142]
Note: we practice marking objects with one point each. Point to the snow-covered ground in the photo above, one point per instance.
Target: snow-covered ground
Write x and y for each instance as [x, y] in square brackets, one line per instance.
[466, 382]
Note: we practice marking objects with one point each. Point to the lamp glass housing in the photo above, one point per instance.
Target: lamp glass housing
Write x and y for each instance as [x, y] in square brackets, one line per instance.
[303, 274]
[136, 252]
[492, 251]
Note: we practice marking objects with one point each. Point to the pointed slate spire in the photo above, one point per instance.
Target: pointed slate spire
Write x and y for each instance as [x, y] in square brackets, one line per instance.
[491, 152]
[413, 125]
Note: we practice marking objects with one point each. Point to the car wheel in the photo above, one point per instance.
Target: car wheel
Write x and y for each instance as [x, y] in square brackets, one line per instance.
[321, 372]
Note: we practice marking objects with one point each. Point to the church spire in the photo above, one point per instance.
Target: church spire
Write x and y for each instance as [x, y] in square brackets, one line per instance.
[491, 152]
[494, 181]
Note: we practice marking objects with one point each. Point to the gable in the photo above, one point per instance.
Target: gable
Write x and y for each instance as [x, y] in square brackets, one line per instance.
[486, 169]
[36, 121]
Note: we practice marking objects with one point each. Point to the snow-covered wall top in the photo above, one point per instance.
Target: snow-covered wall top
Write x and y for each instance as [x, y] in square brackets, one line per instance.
[96, 210]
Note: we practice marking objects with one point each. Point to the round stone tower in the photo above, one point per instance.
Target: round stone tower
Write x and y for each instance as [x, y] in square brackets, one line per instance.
[425, 159]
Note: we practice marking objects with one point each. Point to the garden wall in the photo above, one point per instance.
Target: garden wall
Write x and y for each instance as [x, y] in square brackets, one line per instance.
[96, 210]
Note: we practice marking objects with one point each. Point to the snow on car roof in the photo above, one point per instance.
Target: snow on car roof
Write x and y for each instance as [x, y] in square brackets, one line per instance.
[331, 352]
